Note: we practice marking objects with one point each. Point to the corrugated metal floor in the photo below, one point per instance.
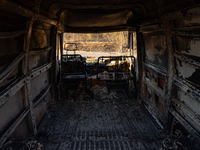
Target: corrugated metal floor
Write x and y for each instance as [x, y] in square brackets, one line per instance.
[110, 123]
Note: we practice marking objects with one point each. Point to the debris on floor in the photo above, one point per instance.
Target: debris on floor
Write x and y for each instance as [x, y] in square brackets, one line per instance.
[23, 145]
[107, 121]
[98, 120]
[99, 91]
[181, 143]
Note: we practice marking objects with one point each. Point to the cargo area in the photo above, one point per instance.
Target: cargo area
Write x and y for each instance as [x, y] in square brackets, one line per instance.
[104, 122]
[99, 75]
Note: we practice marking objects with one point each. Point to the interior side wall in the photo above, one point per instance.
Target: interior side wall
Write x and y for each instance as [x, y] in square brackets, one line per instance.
[27, 56]
[170, 59]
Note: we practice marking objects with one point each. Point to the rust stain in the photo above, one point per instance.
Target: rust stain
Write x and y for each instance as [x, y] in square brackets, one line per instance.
[161, 83]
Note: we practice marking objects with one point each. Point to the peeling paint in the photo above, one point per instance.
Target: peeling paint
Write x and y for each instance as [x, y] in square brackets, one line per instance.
[185, 70]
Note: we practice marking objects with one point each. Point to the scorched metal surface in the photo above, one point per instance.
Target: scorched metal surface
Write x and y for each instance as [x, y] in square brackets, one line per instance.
[103, 122]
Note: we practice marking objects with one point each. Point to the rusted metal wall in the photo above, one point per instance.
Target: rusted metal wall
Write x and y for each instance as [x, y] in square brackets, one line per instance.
[170, 57]
[27, 71]
[186, 99]
[154, 69]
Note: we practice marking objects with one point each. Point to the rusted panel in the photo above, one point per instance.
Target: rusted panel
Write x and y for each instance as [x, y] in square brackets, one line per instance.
[158, 60]
[157, 90]
[157, 103]
[156, 52]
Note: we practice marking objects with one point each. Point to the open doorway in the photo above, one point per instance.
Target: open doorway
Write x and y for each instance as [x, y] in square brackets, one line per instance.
[97, 59]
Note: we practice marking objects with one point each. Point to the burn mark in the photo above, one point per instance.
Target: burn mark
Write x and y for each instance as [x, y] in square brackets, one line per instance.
[156, 52]
[195, 77]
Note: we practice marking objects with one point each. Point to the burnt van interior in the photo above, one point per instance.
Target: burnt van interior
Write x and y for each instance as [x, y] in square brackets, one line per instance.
[99, 75]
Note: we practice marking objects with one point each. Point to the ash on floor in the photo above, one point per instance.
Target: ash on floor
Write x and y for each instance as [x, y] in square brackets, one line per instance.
[23, 145]
[104, 122]
[100, 121]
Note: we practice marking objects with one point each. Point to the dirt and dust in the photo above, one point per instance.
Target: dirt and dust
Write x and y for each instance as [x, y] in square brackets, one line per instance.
[99, 120]
[106, 121]
[180, 143]
[23, 145]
